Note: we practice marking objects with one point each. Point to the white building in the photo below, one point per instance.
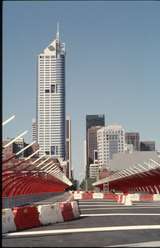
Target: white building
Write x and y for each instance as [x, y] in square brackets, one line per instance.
[128, 148]
[110, 140]
[68, 146]
[51, 99]
[34, 130]
[93, 170]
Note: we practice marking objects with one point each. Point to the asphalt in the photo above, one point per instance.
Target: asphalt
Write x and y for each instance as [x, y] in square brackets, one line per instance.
[105, 238]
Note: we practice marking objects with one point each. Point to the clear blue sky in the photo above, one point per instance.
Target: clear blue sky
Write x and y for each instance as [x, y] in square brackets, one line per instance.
[112, 64]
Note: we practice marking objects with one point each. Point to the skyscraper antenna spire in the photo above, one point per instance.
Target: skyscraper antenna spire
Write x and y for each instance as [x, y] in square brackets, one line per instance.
[57, 35]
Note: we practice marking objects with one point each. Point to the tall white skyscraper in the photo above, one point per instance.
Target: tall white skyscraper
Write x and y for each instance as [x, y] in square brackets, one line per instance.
[110, 140]
[34, 130]
[51, 99]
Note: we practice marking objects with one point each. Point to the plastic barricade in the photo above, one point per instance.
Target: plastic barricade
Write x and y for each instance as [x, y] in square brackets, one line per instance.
[146, 197]
[48, 214]
[8, 224]
[77, 195]
[97, 195]
[156, 197]
[66, 210]
[75, 209]
[87, 196]
[26, 217]
[109, 196]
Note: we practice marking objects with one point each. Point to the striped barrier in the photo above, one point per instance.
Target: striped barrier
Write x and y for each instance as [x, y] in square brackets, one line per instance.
[49, 214]
[76, 209]
[66, 210]
[82, 195]
[119, 197]
[25, 217]
[97, 195]
[8, 224]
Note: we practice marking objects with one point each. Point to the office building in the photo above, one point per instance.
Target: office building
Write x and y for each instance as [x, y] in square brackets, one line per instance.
[92, 121]
[133, 138]
[18, 145]
[110, 140]
[147, 145]
[8, 151]
[128, 148]
[93, 171]
[51, 99]
[92, 143]
[68, 146]
[34, 130]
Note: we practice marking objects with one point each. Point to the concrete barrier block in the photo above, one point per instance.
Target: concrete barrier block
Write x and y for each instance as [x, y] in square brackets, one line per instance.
[8, 224]
[47, 214]
[156, 197]
[97, 195]
[75, 209]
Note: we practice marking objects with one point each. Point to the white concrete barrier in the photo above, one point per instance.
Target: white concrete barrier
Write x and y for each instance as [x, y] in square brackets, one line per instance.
[156, 197]
[127, 200]
[134, 197]
[98, 195]
[59, 212]
[123, 199]
[47, 214]
[8, 224]
[77, 195]
[75, 209]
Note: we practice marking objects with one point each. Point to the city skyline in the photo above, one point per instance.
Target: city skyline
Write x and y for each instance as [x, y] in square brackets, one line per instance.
[134, 59]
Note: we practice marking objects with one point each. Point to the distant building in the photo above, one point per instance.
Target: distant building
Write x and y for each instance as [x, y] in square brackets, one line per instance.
[110, 140]
[18, 145]
[147, 145]
[30, 150]
[34, 130]
[92, 120]
[93, 170]
[133, 138]
[92, 143]
[68, 146]
[128, 148]
[8, 151]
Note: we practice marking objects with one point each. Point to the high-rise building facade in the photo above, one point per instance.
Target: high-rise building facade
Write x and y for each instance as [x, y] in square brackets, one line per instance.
[93, 170]
[133, 138]
[34, 130]
[92, 121]
[92, 142]
[68, 146]
[110, 140]
[18, 145]
[147, 145]
[51, 99]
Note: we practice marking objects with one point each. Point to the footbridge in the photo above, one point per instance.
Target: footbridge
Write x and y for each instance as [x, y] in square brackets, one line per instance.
[31, 176]
[141, 177]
